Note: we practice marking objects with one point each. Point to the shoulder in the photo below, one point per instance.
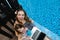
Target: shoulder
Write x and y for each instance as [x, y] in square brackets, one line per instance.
[15, 23]
[32, 21]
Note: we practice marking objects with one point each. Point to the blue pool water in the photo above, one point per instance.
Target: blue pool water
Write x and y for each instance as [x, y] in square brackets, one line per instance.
[45, 13]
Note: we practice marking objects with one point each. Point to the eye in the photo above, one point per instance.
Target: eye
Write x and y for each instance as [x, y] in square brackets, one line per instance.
[22, 14]
[19, 29]
[19, 14]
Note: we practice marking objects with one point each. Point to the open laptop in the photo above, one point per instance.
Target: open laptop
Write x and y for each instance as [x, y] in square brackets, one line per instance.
[38, 35]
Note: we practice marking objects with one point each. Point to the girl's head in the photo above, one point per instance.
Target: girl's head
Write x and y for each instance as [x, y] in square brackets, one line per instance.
[19, 28]
[21, 15]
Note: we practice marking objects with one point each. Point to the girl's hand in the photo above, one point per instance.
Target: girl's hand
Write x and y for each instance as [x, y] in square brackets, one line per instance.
[28, 37]
[24, 30]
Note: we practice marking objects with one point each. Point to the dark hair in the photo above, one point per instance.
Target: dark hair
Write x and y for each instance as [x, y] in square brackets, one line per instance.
[26, 17]
[17, 26]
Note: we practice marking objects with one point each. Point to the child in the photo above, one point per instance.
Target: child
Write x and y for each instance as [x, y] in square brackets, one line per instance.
[23, 32]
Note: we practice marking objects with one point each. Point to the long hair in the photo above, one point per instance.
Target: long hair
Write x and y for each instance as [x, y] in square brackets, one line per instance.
[25, 18]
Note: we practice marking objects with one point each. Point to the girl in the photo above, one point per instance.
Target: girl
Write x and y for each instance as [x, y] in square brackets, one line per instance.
[23, 32]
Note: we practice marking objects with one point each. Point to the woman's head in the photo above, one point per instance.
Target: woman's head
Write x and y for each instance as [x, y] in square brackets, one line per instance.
[21, 15]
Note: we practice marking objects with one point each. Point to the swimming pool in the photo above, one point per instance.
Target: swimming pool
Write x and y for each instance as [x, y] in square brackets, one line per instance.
[45, 13]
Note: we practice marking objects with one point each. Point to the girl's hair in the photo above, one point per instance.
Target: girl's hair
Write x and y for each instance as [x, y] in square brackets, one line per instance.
[26, 17]
[17, 26]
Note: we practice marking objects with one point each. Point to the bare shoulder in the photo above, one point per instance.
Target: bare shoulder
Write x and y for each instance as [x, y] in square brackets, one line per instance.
[31, 21]
[15, 23]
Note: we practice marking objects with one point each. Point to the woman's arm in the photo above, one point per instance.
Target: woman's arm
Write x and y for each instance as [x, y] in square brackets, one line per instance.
[14, 27]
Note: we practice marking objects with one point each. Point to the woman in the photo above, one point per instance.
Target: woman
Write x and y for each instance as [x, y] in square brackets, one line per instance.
[22, 18]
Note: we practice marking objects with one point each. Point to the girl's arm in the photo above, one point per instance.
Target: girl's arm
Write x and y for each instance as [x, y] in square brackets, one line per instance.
[19, 37]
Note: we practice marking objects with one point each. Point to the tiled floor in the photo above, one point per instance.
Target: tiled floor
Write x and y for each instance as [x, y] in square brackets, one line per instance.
[2, 37]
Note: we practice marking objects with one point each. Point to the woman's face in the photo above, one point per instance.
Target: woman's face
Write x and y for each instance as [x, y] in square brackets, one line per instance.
[20, 15]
